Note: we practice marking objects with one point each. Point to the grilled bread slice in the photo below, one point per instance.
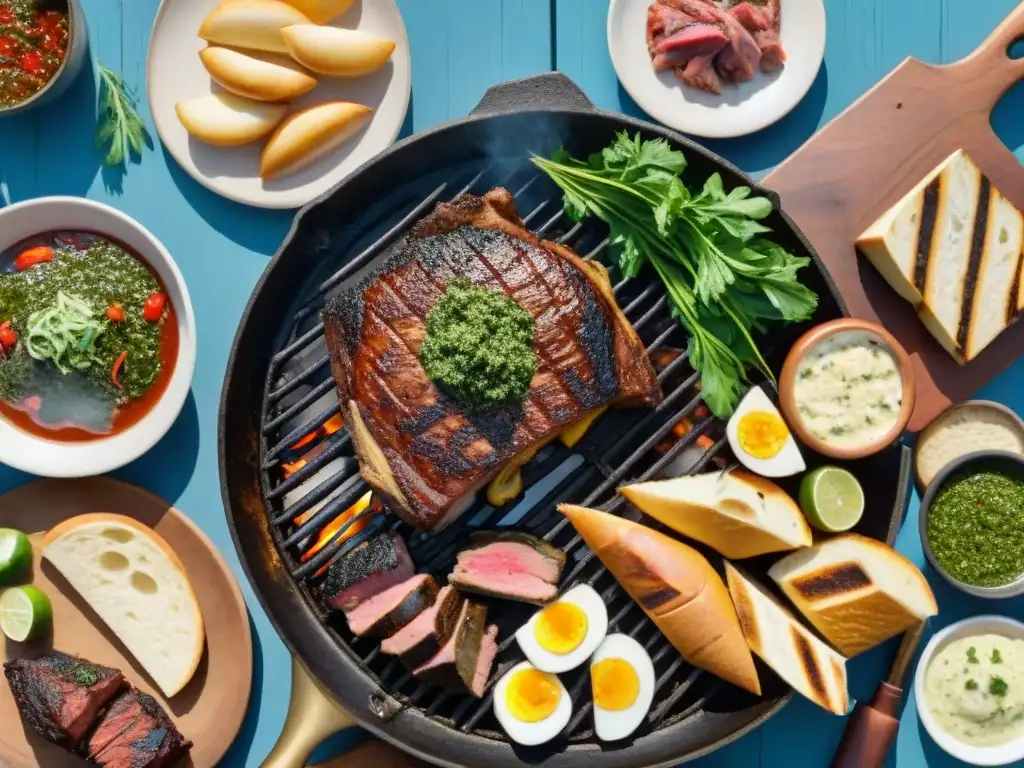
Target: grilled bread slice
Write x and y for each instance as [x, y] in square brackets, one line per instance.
[952, 247]
[799, 658]
[857, 592]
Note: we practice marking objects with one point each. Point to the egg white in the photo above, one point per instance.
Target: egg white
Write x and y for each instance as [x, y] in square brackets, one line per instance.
[597, 627]
[530, 734]
[611, 725]
[788, 461]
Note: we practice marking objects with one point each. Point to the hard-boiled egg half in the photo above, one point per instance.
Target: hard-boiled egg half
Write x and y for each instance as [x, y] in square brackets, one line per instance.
[622, 681]
[564, 634]
[760, 438]
[532, 706]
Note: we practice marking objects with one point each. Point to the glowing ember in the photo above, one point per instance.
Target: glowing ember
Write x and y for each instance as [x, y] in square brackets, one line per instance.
[328, 533]
[331, 426]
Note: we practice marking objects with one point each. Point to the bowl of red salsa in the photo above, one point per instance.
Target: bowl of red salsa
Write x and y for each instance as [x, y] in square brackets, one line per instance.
[97, 338]
[42, 50]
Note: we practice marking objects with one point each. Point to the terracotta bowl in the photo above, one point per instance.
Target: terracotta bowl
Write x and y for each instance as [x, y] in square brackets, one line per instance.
[796, 355]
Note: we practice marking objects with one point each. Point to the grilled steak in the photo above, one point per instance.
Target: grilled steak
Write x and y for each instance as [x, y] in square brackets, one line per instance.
[415, 445]
[136, 733]
[384, 614]
[512, 565]
[369, 569]
[464, 663]
[59, 695]
[427, 634]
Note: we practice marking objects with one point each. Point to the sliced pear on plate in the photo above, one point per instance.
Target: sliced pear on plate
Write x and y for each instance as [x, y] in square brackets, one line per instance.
[226, 120]
[337, 52]
[321, 11]
[251, 24]
[311, 134]
[257, 75]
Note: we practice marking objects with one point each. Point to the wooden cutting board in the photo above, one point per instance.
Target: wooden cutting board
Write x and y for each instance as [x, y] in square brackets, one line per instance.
[868, 157]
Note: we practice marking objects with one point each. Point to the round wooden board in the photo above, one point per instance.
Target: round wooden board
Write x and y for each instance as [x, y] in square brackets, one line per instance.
[211, 708]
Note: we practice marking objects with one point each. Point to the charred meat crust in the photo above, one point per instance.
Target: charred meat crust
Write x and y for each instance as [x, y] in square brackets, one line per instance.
[446, 617]
[457, 675]
[420, 597]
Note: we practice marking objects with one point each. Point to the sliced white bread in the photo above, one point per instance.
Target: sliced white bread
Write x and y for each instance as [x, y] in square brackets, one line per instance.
[135, 582]
[796, 655]
[251, 24]
[321, 11]
[337, 52]
[737, 513]
[226, 120]
[257, 75]
[856, 591]
[311, 134]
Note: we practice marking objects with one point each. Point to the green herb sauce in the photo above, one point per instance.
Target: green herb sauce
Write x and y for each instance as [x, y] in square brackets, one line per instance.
[976, 527]
[479, 347]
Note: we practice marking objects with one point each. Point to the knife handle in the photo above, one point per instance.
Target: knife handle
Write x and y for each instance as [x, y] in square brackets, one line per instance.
[870, 731]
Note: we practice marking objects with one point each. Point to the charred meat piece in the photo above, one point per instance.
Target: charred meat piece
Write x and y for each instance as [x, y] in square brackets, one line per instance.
[694, 41]
[512, 565]
[369, 569]
[136, 733]
[384, 614]
[427, 634]
[464, 663]
[739, 61]
[763, 22]
[60, 695]
[415, 445]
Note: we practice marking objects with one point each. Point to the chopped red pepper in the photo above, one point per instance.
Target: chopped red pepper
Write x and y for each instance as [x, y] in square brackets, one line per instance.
[31, 62]
[33, 256]
[8, 44]
[8, 336]
[153, 309]
[117, 369]
[6, 15]
[115, 314]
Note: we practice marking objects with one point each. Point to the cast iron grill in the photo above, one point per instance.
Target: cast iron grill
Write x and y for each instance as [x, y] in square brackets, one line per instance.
[310, 477]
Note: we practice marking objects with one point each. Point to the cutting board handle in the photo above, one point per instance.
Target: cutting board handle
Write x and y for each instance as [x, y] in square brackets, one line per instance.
[990, 64]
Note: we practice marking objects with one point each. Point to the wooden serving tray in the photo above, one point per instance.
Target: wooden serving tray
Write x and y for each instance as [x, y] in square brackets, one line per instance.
[867, 158]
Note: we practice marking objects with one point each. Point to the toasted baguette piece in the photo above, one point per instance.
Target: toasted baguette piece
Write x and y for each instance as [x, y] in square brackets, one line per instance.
[321, 11]
[736, 513]
[676, 587]
[135, 582]
[857, 592]
[226, 120]
[256, 75]
[337, 52]
[799, 658]
[311, 134]
[251, 24]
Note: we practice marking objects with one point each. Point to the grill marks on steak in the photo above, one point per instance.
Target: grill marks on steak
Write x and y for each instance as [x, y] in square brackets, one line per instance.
[136, 733]
[369, 569]
[510, 565]
[414, 444]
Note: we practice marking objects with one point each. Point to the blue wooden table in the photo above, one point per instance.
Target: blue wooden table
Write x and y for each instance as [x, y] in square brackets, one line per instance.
[459, 48]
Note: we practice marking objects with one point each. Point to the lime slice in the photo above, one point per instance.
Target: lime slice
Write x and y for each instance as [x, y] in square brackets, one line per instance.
[15, 556]
[25, 613]
[832, 499]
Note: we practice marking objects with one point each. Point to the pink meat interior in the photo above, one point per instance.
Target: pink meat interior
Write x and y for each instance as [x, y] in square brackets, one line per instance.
[484, 660]
[366, 614]
[509, 568]
[416, 631]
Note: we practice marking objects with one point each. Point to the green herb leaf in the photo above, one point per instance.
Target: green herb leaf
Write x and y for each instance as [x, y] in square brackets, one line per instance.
[997, 686]
[971, 685]
[120, 128]
[972, 655]
[997, 657]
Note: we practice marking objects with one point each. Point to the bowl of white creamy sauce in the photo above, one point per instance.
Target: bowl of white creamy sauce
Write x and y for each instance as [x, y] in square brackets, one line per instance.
[969, 690]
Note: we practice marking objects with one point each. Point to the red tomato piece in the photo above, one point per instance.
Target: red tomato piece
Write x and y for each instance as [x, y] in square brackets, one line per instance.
[153, 309]
[115, 314]
[6, 15]
[31, 62]
[33, 256]
[8, 337]
[8, 45]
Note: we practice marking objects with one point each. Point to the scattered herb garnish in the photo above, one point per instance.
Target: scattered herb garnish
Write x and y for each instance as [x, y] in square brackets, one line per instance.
[972, 655]
[997, 657]
[120, 126]
[725, 281]
[84, 676]
[997, 686]
[971, 685]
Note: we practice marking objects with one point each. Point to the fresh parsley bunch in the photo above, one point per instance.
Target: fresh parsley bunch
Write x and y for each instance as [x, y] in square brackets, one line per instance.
[120, 126]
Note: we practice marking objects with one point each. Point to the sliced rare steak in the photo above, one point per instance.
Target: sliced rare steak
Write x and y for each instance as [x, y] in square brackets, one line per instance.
[464, 663]
[384, 614]
[369, 569]
[510, 565]
[693, 41]
[426, 635]
[415, 445]
[136, 733]
[59, 695]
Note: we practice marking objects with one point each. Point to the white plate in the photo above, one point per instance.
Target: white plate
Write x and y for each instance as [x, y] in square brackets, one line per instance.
[741, 109]
[175, 73]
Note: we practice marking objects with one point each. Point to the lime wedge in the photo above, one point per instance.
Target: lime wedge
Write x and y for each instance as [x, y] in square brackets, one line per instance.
[832, 499]
[15, 556]
[25, 613]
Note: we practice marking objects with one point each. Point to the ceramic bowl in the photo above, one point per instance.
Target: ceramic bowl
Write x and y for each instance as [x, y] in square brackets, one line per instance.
[74, 62]
[805, 344]
[1011, 462]
[31, 453]
[976, 625]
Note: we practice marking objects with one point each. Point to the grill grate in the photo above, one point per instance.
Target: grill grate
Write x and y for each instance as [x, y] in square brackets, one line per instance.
[309, 472]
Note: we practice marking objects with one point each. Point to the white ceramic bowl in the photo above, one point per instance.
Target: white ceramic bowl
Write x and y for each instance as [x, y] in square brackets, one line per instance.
[49, 458]
[976, 625]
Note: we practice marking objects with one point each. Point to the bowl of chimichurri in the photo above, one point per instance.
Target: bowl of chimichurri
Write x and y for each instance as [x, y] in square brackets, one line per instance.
[97, 338]
[42, 50]
[972, 524]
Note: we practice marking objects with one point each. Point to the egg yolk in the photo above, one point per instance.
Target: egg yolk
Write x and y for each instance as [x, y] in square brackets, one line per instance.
[762, 434]
[532, 695]
[561, 627]
[615, 683]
